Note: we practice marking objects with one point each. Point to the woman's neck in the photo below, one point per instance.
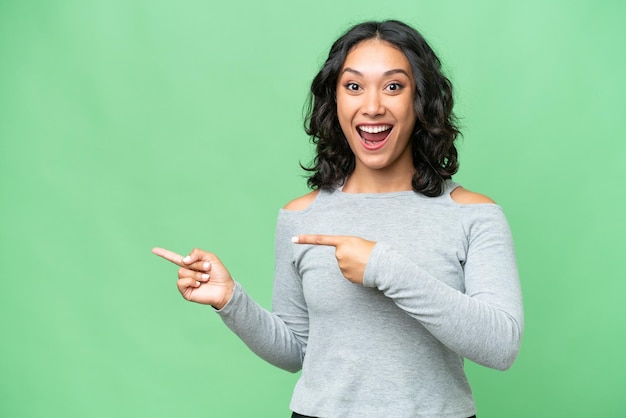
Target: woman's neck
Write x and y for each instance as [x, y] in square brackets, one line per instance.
[378, 181]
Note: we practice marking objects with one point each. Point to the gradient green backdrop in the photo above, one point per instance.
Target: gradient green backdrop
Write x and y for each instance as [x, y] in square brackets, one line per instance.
[127, 124]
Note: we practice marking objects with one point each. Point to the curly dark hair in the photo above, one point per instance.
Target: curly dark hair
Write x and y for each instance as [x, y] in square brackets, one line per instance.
[432, 141]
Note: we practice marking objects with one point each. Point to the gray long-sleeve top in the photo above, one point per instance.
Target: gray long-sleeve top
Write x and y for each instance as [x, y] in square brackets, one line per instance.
[441, 285]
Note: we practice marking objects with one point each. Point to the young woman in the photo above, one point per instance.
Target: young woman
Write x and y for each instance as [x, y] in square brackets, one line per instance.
[388, 274]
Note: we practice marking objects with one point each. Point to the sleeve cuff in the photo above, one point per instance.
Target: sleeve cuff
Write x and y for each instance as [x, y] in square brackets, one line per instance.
[231, 305]
[372, 267]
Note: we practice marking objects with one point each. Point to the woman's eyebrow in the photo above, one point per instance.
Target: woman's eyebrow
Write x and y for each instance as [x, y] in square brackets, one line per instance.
[386, 73]
[396, 71]
[350, 70]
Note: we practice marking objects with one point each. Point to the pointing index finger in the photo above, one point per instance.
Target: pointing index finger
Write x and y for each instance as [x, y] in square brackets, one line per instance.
[169, 256]
[318, 239]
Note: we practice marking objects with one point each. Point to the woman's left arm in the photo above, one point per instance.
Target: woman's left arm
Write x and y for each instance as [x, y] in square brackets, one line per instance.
[483, 324]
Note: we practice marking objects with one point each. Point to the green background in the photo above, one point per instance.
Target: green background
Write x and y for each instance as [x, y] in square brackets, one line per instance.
[128, 124]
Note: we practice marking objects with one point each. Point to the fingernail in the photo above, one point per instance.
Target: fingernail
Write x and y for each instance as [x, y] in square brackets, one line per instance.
[205, 276]
[206, 265]
[186, 259]
[294, 240]
[197, 283]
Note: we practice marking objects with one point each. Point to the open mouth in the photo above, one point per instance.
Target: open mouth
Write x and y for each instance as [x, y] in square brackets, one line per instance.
[374, 136]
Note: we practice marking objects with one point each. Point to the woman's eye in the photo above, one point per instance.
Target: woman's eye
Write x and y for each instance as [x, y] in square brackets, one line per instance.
[352, 86]
[394, 87]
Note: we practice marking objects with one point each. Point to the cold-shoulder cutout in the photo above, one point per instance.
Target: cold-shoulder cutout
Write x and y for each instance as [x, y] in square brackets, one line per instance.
[466, 197]
[302, 202]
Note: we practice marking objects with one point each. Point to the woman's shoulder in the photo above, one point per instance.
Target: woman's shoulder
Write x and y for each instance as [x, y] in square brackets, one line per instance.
[466, 197]
[302, 202]
[477, 212]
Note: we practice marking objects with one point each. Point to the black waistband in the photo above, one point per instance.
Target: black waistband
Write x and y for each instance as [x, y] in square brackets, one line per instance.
[297, 415]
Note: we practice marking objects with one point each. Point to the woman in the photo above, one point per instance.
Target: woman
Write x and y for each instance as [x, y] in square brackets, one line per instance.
[388, 274]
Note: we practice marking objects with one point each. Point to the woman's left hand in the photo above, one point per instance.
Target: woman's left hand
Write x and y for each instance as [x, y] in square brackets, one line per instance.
[352, 253]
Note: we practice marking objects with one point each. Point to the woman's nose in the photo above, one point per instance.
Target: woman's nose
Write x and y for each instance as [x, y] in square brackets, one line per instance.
[373, 105]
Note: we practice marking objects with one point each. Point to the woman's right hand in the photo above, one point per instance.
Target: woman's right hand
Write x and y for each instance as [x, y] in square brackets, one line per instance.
[202, 278]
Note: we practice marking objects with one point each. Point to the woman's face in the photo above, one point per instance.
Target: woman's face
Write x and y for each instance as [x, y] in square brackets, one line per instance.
[375, 93]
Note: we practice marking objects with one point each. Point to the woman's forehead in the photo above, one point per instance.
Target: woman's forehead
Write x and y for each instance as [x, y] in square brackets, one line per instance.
[375, 55]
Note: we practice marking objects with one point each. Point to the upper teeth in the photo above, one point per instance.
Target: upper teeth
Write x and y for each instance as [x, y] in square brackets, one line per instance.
[374, 129]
